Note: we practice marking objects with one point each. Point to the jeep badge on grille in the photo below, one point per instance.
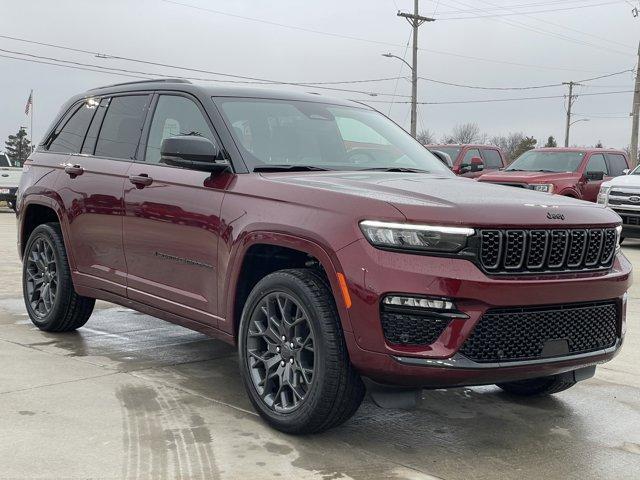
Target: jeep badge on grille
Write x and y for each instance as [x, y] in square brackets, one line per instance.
[555, 216]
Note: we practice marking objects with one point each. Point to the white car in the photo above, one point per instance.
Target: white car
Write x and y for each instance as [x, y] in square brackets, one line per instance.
[9, 181]
[622, 195]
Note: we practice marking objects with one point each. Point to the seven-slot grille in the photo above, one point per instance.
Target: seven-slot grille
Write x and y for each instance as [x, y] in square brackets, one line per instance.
[557, 250]
[513, 334]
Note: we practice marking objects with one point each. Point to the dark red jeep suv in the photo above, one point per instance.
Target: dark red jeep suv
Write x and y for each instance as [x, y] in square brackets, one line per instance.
[323, 240]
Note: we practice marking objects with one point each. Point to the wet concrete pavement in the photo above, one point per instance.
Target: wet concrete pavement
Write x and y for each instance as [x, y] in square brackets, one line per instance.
[130, 396]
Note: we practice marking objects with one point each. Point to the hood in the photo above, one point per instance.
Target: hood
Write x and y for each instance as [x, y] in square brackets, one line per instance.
[505, 176]
[632, 181]
[443, 200]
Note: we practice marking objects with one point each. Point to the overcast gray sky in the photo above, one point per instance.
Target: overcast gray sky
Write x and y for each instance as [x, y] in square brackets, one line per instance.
[579, 39]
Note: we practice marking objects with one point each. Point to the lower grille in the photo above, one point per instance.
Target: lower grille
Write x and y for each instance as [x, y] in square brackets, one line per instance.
[503, 335]
[412, 329]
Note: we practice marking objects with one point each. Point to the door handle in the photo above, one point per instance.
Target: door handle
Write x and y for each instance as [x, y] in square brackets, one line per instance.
[73, 170]
[141, 181]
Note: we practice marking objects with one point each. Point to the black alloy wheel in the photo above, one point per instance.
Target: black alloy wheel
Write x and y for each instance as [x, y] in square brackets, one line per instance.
[41, 276]
[280, 352]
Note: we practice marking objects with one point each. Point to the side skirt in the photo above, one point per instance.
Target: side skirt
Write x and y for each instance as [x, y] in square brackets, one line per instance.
[156, 312]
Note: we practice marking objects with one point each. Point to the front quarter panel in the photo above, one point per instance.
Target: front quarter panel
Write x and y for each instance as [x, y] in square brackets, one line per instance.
[292, 217]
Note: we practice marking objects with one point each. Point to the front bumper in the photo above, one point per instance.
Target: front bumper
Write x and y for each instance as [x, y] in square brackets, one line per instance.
[9, 195]
[630, 222]
[373, 273]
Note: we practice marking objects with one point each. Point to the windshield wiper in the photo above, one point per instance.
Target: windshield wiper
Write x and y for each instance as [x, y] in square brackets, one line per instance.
[396, 169]
[289, 168]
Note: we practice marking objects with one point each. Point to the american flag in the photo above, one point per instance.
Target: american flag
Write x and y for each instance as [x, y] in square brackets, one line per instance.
[29, 104]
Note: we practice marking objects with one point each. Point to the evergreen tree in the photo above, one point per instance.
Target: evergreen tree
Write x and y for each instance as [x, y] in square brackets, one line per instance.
[551, 142]
[526, 144]
[18, 147]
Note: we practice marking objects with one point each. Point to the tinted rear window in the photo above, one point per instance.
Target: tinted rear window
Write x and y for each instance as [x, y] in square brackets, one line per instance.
[492, 158]
[617, 164]
[69, 138]
[121, 127]
[451, 151]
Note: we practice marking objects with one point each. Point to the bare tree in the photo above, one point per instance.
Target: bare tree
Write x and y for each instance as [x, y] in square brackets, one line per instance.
[467, 133]
[508, 143]
[426, 137]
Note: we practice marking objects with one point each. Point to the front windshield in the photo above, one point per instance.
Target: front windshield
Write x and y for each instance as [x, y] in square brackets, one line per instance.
[635, 171]
[541, 161]
[285, 133]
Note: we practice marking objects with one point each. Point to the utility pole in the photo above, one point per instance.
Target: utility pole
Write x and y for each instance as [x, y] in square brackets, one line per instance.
[572, 98]
[415, 20]
[635, 113]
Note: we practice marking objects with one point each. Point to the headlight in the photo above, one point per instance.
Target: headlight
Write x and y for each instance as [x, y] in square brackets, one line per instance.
[542, 187]
[618, 237]
[602, 195]
[408, 236]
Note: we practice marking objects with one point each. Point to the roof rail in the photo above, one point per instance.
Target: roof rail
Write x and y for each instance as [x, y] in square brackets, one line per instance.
[137, 82]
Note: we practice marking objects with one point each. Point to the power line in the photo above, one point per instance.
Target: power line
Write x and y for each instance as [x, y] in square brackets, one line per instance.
[351, 37]
[437, 52]
[523, 5]
[72, 67]
[494, 100]
[250, 80]
[517, 24]
[530, 87]
[515, 13]
[146, 74]
[566, 27]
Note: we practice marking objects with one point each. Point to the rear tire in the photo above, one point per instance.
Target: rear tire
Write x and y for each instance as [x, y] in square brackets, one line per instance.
[52, 303]
[311, 387]
[537, 387]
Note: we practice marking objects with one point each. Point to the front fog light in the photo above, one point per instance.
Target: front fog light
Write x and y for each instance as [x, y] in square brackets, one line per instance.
[418, 302]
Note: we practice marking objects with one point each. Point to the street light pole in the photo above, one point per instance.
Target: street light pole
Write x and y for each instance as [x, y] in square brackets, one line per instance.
[415, 20]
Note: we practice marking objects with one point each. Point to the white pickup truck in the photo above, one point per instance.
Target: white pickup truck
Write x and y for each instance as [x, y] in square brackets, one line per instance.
[622, 195]
[9, 181]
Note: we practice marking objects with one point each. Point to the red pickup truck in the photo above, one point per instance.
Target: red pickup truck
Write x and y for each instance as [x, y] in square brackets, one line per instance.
[472, 160]
[572, 172]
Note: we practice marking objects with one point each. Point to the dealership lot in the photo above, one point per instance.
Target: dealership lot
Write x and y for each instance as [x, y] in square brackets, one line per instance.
[130, 396]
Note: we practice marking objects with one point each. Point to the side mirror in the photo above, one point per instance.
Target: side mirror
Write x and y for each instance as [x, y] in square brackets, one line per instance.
[594, 176]
[626, 171]
[477, 165]
[192, 152]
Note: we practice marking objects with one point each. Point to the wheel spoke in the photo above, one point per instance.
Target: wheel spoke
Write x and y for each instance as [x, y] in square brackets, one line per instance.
[280, 351]
[41, 276]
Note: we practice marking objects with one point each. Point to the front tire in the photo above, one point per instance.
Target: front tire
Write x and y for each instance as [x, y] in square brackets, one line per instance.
[52, 303]
[537, 387]
[293, 357]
